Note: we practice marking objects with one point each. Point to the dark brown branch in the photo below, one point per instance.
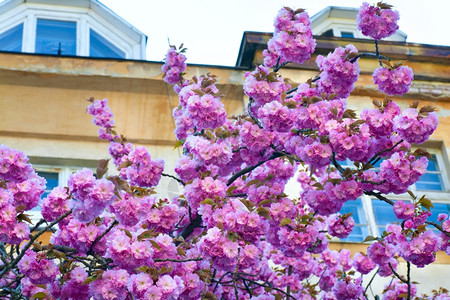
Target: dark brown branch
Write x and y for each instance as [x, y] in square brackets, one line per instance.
[39, 223]
[238, 195]
[249, 110]
[336, 164]
[408, 279]
[251, 168]
[173, 177]
[379, 196]
[438, 227]
[178, 260]
[377, 157]
[91, 248]
[269, 286]
[190, 228]
[396, 274]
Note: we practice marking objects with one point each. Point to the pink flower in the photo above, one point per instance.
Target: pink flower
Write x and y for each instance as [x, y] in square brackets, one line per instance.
[377, 21]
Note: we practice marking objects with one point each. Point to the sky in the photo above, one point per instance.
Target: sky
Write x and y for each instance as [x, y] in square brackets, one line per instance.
[212, 30]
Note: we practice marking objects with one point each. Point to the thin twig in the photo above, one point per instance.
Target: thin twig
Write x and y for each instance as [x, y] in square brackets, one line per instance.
[177, 260]
[370, 282]
[251, 168]
[269, 286]
[91, 248]
[378, 53]
[379, 196]
[396, 274]
[173, 177]
[408, 279]
[439, 227]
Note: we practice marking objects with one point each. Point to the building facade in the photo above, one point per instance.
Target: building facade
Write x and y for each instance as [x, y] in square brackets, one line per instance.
[45, 80]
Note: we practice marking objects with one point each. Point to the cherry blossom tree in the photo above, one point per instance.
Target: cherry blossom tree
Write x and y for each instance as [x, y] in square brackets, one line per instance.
[233, 233]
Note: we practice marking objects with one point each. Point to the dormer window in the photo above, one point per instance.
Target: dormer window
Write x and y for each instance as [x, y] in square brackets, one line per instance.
[72, 28]
[56, 37]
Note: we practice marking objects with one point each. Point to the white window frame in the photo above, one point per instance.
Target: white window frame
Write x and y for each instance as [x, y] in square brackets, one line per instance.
[85, 20]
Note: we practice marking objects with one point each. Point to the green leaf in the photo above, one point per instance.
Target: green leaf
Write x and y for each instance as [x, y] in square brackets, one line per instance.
[285, 221]
[208, 201]
[426, 203]
[370, 238]
[252, 182]
[178, 144]
[39, 295]
[155, 244]
[231, 188]
[128, 234]
[89, 280]
[264, 212]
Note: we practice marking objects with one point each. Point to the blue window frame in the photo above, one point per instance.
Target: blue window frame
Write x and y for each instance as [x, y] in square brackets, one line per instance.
[56, 37]
[11, 39]
[101, 47]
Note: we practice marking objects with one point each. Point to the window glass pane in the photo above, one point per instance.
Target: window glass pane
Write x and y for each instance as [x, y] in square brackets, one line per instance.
[52, 182]
[432, 179]
[56, 37]
[384, 214]
[101, 47]
[360, 231]
[346, 34]
[11, 40]
[436, 210]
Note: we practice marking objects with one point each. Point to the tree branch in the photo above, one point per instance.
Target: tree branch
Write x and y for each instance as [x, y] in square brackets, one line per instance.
[177, 260]
[91, 248]
[396, 274]
[251, 168]
[408, 279]
[379, 196]
[190, 228]
[173, 177]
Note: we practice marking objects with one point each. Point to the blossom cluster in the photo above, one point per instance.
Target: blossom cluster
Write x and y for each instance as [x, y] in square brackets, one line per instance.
[174, 66]
[340, 226]
[393, 81]
[91, 196]
[264, 86]
[415, 127]
[143, 171]
[339, 72]
[199, 103]
[293, 39]
[378, 22]
[380, 119]
[37, 268]
[81, 236]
